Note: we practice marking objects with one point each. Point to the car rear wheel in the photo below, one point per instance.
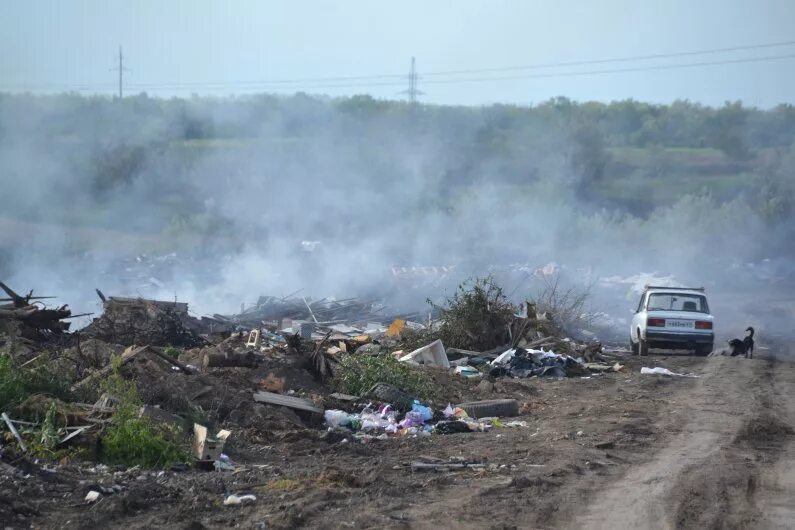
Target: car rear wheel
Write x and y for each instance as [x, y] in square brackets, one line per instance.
[643, 346]
[633, 346]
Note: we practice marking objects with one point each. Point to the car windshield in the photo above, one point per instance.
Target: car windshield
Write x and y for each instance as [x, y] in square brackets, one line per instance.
[678, 302]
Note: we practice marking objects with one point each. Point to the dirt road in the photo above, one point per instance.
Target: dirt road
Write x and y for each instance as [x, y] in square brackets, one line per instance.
[622, 450]
[730, 466]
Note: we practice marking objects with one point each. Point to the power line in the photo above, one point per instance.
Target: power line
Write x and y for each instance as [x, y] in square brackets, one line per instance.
[511, 77]
[488, 70]
[334, 82]
[615, 59]
[617, 70]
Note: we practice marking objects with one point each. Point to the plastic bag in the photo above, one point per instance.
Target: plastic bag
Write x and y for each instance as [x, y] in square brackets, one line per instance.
[426, 412]
[413, 419]
[337, 418]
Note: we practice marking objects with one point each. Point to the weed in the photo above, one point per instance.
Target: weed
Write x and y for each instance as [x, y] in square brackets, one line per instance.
[356, 374]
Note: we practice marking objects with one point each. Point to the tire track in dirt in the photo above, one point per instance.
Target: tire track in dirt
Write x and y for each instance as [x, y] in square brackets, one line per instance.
[709, 474]
[777, 483]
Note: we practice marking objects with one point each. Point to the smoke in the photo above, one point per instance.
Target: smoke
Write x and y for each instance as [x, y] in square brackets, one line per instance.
[217, 201]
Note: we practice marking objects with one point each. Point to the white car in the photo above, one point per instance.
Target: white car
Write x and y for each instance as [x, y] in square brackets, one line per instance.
[672, 318]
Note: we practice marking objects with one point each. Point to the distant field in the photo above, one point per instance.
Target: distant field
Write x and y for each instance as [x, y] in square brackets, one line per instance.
[658, 177]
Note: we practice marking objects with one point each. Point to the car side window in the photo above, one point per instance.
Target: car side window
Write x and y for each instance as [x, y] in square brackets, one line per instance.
[640, 304]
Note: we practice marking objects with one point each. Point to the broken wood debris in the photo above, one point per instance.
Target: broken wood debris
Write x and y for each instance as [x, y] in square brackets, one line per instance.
[33, 318]
[287, 401]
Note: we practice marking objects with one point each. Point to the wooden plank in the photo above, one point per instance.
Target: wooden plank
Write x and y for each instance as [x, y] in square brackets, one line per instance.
[425, 466]
[287, 401]
[470, 353]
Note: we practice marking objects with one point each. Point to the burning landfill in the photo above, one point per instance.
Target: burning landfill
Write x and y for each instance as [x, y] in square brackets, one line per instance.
[146, 385]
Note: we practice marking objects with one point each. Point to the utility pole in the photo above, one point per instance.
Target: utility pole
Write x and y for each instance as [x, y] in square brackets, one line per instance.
[413, 82]
[121, 73]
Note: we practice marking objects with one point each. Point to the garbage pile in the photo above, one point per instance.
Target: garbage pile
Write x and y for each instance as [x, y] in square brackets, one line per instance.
[382, 421]
[273, 370]
[130, 321]
[518, 362]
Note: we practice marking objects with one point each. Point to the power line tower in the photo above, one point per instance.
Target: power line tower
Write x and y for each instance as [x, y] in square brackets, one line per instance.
[121, 69]
[412, 91]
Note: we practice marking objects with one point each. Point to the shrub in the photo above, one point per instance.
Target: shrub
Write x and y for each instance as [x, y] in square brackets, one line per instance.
[476, 317]
[356, 374]
[567, 304]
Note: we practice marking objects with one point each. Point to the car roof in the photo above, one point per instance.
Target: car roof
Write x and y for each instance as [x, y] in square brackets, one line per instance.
[673, 290]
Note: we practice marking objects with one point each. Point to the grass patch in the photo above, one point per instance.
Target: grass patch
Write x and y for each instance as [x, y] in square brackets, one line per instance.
[18, 384]
[356, 374]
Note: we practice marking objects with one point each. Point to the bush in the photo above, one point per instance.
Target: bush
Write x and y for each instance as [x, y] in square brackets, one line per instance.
[476, 317]
[356, 374]
[137, 441]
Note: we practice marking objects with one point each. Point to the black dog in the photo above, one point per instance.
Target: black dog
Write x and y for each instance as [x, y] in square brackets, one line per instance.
[743, 347]
[749, 343]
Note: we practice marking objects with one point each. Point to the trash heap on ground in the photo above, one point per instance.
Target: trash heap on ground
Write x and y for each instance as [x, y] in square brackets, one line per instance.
[198, 391]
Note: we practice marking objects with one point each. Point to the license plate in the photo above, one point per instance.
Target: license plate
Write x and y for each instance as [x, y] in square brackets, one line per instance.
[686, 324]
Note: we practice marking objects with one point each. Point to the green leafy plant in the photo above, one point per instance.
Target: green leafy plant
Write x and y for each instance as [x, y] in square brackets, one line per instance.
[133, 440]
[356, 374]
[172, 352]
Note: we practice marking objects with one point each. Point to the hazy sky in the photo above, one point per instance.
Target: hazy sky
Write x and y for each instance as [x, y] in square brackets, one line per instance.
[205, 47]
